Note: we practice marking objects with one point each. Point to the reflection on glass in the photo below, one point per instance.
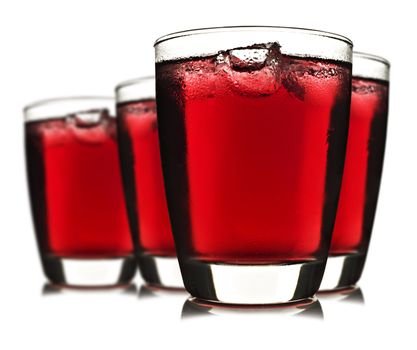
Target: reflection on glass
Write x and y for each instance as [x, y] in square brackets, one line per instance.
[353, 295]
[49, 289]
[193, 308]
[147, 291]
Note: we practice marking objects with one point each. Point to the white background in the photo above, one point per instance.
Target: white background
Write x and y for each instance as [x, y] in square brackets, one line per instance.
[57, 48]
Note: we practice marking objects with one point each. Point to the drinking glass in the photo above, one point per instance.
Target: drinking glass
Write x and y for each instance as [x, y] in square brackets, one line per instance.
[76, 192]
[143, 183]
[252, 126]
[362, 173]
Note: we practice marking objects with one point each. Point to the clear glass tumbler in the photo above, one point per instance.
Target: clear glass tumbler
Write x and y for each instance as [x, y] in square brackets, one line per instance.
[362, 173]
[143, 183]
[76, 192]
[253, 126]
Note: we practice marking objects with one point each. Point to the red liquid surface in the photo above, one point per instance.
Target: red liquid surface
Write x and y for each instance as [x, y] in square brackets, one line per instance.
[142, 174]
[363, 167]
[252, 155]
[76, 189]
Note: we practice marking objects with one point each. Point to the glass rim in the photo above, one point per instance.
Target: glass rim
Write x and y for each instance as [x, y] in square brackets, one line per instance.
[133, 81]
[210, 30]
[372, 57]
[49, 107]
[138, 89]
[47, 101]
[369, 66]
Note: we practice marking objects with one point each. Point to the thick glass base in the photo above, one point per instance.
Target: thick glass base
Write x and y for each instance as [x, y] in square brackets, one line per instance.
[252, 284]
[89, 273]
[342, 271]
[160, 271]
[308, 307]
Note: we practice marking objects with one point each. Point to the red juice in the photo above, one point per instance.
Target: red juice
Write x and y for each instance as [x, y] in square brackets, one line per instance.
[76, 188]
[142, 175]
[252, 154]
[363, 167]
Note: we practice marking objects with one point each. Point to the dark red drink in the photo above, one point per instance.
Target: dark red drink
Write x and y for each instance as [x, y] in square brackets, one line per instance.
[252, 156]
[139, 145]
[76, 189]
[363, 166]
[143, 183]
[252, 125]
[362, 172]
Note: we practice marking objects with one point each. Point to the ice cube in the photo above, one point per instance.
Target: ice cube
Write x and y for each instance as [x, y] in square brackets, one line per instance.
[254, 70]
[298, 74]
[90, 127]
[291, 83]
[362, 89]
[90, 118]
[248, 59]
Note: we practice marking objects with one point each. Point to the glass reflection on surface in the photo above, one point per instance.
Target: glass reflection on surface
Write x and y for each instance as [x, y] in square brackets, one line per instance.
[148, 291]
[353, 295]
[50, 289]
[193, 308]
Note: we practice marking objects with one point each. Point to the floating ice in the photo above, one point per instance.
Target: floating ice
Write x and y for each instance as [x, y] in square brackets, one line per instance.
[248, 59]
[90, 118]
[92, 126]
[254, 70]
[292, 84]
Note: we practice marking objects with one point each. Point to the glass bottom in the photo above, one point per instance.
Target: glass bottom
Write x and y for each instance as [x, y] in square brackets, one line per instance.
[160, 271]
[252, 284]
[342, 271]
[49, 289]
[89, 273]
[308, 307]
